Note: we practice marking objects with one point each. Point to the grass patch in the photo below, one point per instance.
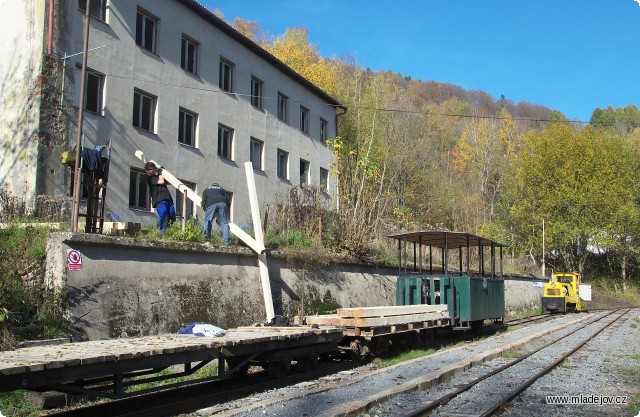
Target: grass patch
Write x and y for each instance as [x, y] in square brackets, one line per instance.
[631, 375]
[637, 357]
[403, 357]
[206, 371]
[511, 354]
[17, 404]
[32, 310]
[523, 314]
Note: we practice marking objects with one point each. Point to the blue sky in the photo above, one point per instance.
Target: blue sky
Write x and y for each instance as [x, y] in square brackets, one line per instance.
[568, 55]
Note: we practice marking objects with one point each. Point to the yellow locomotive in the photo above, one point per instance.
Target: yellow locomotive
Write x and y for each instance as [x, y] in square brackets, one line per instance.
[562, 293]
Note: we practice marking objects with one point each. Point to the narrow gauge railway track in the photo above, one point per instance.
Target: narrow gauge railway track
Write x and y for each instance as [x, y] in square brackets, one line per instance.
[433, 406]
[186, 398]
[174, 400]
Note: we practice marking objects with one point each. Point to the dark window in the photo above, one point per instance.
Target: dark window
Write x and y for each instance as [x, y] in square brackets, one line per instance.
[283, 164]
[146, 31]
[256, 92]
[180, 203]
[93, 92]
[304, 119]
[304, 172]
[282, 107]
[226, 76]
[323, 130]
[189, 57]
[225, 142]
[143, 110]
[255, 153]
[97, 8]
[324, 180]
[187, 127]
[138, 190]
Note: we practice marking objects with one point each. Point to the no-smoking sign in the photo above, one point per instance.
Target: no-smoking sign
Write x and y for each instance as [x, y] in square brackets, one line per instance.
[74, 260]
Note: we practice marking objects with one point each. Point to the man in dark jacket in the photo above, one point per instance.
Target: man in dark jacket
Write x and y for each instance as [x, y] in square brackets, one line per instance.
[160, 196]
[214, 200]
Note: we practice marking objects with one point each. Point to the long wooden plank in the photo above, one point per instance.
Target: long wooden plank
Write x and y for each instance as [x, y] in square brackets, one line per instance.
[395, 320]
[329, 320]
[360, 312]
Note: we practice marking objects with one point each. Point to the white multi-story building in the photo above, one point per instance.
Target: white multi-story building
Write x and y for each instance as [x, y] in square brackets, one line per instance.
[168, 78]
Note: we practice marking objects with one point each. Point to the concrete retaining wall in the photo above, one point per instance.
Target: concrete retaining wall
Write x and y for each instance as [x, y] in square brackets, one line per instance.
[130, 287]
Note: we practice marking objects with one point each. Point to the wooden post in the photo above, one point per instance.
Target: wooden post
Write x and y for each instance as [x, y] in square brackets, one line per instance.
[77, 167]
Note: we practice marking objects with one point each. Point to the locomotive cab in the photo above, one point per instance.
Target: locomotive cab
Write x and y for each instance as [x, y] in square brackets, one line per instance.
[562, 293]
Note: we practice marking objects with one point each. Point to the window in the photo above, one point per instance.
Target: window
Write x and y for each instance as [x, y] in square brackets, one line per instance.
[139, 197]
[256, 92]
[226, 76]
[93, 90]
[187, 127]
[179, 201]
[255, 153]
[304, 172]
[143, 110]
[324, 180]
[146, 30]
[283, 164]
[225, 141]
[304, 119]
[189, 58]
[97, 8]
[323, 130]
[282, 107]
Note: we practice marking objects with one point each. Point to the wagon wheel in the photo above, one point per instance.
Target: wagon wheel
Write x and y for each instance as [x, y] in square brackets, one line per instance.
[307, 364]
[232, 362]
[279, 369]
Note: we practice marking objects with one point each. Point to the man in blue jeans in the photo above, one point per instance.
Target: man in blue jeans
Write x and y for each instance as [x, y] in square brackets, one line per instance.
[160, 196]
[214, 200]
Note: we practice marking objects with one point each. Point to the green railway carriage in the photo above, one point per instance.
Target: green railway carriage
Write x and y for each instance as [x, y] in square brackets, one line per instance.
[479, 294]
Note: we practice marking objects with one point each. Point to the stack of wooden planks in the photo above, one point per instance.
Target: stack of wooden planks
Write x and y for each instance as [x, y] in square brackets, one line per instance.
[382, 316]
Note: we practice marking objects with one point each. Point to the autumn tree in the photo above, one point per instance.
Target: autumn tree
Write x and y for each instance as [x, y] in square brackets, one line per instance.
[584, 184]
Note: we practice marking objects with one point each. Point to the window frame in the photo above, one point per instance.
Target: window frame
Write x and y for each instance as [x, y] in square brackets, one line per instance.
[152, 115]
[257, 88]
[283, 107]
[140, 186]
[253, 142]
[142, 19]
[191, 208]
[182, 126]
[282, 164]
[99, 100]
[304, 119]
[305, 173]
[324, 125]
[225, 139]
[187, 40]
[324, 180]
[225, 77]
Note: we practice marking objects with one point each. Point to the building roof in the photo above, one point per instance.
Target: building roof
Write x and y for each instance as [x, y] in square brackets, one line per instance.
[207, 15]
[438, 238]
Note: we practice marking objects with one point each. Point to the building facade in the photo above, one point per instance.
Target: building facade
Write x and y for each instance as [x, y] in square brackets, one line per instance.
[170, 79]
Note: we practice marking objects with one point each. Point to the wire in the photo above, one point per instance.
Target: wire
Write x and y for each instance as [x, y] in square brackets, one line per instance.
[380, 109]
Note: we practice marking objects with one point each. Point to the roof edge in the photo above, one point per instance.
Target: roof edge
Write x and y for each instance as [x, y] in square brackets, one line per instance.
[207, 15]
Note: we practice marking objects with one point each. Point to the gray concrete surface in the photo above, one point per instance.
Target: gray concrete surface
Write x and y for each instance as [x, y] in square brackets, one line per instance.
[133, 287]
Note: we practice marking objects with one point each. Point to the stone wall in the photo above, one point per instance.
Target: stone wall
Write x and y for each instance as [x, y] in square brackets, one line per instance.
[131, 287]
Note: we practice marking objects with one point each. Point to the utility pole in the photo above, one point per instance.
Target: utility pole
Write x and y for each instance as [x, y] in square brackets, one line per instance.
[543, 249]
[77, 173]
